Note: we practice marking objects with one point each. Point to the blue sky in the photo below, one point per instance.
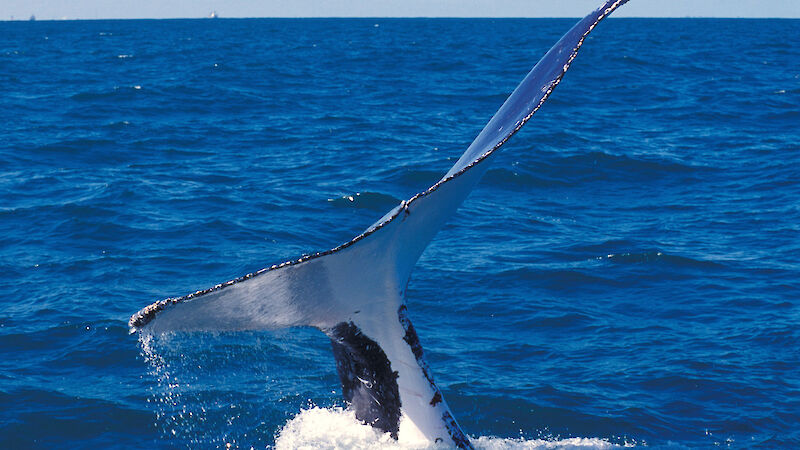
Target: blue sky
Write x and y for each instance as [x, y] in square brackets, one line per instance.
[92, 9]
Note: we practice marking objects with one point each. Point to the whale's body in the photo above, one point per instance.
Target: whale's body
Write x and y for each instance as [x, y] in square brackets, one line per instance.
[355, 293]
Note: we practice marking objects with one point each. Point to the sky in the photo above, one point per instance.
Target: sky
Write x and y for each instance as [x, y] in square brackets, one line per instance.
[126, 9]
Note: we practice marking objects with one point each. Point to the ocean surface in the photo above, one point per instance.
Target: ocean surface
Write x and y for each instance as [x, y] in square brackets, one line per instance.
[627, 273]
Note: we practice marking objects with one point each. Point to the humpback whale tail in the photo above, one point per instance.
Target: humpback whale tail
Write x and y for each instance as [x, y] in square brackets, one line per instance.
[355, 293]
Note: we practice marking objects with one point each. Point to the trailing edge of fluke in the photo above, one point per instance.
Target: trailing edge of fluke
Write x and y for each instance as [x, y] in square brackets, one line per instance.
[355, 293]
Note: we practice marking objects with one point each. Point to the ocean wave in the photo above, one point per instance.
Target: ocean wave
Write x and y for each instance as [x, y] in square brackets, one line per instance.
[507, 177]
[43, 418]
[366, 200]
[617, 252]
[557, 279]
[114, 93]
[548, 170]
[415, 177]
[602, 165]
[656, 256]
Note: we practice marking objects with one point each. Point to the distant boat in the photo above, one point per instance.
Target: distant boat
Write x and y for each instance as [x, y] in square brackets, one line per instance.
[33, 18]
[213, 15]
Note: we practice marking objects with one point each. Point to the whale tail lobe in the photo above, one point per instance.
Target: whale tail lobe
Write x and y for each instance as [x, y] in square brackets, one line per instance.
[355, 293]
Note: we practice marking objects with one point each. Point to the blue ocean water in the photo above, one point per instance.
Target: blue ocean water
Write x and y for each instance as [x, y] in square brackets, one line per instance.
[627, 271]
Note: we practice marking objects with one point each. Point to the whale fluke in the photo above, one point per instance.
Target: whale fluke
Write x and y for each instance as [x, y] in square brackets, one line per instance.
[355, 293]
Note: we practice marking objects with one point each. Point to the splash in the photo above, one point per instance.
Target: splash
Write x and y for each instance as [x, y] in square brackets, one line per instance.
[327, 428]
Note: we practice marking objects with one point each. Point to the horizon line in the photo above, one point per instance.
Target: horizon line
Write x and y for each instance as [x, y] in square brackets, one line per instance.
[68, 19]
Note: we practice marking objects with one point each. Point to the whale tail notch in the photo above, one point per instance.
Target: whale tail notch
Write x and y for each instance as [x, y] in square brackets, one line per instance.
[355, 293]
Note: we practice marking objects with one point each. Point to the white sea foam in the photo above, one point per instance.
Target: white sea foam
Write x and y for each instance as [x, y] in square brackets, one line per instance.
[337, 428]
[183, 415]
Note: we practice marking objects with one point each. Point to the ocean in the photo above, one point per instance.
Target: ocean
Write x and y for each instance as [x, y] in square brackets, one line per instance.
[625, 274]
